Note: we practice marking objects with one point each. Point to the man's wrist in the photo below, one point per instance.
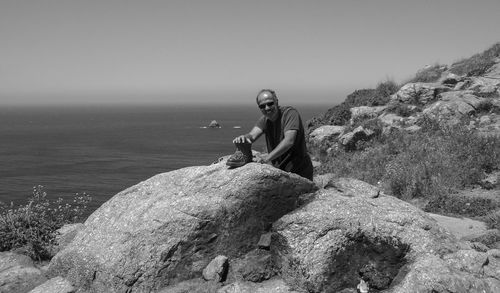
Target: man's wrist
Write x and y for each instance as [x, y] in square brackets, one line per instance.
[248, 137]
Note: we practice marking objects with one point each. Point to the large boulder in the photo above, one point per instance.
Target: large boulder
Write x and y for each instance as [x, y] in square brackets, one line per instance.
[18, 273]
[320, 134]
[419, 93]
[489, 83]
[338, 238]
[348, 140]
[168, 228]
[65, 235]
[452, 106]
[365, 112]
[55, 285]
[275, 285]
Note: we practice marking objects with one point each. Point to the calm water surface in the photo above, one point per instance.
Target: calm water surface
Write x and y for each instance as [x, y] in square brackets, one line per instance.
[103, 150]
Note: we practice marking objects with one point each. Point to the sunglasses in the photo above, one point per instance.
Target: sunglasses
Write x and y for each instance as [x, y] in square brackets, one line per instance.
[263, 106]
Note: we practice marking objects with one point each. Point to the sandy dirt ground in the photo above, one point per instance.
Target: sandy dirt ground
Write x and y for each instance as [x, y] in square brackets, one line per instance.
[459, 227]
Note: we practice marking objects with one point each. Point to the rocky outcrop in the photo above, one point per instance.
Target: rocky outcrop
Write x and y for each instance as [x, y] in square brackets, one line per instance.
[18, 273]
[320, 134]
[65, 235]
[338, 238]
[453, 106]
[365, 112]
[168, 228]
[276, 285]
[450, 99]
[348, 140]
[55, 285]
[419, 93]
[216, 269]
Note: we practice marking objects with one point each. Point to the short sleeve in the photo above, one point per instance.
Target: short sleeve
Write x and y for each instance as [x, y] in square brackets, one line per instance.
[291, 120]
[261, 123]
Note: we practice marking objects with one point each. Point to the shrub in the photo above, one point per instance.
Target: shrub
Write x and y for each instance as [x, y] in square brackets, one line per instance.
[359, 98]
[365, 165]
[477, 64]
[386, 89]
[470, 205]
[338, 115]
[486, 106]
[32, 228]
[429, 74]
[423, 164]
[402, 110]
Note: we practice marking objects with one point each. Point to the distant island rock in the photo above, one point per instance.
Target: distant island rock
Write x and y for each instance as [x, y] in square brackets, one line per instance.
[214, 124]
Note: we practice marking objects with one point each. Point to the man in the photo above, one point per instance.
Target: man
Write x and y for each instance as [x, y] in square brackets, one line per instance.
[285, 138]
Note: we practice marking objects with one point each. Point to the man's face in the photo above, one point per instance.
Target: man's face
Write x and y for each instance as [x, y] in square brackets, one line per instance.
[268, 105]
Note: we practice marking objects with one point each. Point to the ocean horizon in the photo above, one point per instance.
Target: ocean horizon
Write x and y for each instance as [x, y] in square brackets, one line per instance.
[102, 150]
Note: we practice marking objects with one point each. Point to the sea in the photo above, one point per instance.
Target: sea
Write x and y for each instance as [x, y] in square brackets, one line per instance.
[102, 150]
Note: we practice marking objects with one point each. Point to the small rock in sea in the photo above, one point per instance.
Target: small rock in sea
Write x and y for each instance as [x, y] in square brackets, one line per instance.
[216, 269]
[214, 124]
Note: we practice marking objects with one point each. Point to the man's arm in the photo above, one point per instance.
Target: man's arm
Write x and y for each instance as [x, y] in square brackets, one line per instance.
[250, 137]
[282, 147]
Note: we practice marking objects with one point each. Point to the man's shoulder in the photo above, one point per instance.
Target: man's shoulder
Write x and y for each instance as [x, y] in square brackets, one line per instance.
[287, 110]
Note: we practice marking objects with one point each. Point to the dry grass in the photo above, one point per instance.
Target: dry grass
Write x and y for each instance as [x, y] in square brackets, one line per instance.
[426, 164]
[477, 64]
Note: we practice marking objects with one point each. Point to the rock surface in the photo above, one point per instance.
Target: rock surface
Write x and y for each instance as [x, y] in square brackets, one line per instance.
[255, 266]
[327, 244]
[18, 273]
[452, 106]
[419, 93]
[271, 286]
[460, 228]
[365, 111]
[167, 228]
[349, 140]
[325, 132]
[217, 269]
[451, 100]
[55, 285]
[347, 186]
[65, 235]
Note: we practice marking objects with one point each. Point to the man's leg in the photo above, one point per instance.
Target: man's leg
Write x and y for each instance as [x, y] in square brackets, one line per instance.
[306, 169]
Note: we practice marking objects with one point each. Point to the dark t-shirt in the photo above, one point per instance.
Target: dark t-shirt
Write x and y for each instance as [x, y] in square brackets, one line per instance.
[296, 159]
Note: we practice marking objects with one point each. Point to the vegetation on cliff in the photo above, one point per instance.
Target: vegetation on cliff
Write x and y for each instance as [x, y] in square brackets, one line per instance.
[477, 64]
[31, 229]
[433, 165]
[340, 114]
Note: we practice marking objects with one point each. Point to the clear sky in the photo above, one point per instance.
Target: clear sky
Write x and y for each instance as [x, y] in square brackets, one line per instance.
[115, 51]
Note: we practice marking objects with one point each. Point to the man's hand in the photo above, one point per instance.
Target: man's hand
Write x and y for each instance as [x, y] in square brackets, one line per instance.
[262, 159]
[242, 139]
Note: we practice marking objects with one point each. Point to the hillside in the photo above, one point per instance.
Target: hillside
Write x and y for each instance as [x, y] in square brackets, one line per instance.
[433, 141]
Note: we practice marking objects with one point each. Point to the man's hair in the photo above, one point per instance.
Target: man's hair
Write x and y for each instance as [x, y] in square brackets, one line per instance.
[273, 94]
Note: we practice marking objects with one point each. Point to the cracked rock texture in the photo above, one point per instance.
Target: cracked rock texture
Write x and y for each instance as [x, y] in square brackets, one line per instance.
[336, 238]
[168, 228]
[18, 273]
